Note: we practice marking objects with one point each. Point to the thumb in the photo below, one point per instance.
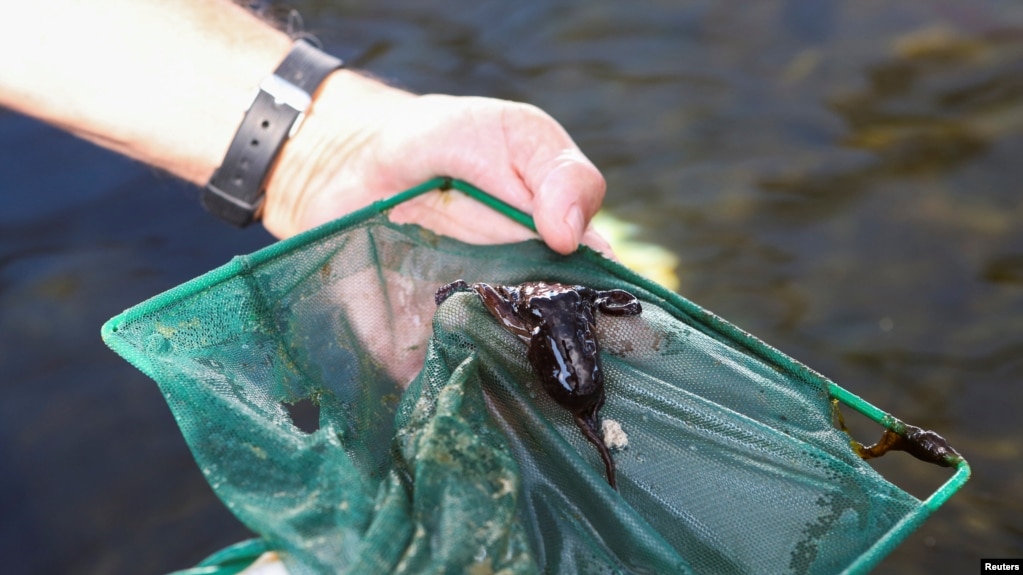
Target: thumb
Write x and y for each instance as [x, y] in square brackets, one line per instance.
[569, 193]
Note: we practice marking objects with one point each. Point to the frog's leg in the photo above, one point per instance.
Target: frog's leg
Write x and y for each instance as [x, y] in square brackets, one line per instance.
[445, 291]
[618, 302]
[587, 422]
[502, 309]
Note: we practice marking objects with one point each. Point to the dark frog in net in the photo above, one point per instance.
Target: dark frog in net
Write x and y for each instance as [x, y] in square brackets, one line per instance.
[557, 322]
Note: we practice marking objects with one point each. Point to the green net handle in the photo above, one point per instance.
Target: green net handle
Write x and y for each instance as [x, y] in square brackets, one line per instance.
[446, 183]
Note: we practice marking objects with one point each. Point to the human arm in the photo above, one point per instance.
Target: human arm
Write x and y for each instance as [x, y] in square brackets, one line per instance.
[168, 82]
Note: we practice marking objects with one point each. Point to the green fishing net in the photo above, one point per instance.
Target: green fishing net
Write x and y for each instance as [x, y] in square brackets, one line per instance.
[438, 451]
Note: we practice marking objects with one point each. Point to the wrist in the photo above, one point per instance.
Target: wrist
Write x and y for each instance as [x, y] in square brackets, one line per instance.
[329, 154]
[237, 189]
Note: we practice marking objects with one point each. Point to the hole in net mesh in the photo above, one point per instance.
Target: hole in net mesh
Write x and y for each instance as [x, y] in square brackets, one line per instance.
[305, 415]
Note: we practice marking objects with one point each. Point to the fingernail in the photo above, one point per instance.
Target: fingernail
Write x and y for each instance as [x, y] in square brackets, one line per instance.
[575, 222]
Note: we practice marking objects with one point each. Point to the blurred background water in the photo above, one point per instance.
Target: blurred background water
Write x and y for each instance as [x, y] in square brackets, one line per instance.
[840, 178]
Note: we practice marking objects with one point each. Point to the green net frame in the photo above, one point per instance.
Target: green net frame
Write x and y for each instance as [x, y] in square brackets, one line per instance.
[236, 558]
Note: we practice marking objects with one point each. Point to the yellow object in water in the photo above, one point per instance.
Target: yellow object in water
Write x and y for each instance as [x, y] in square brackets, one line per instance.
[649, 260]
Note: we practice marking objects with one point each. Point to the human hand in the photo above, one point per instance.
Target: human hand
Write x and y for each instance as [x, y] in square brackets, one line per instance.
[363, 141]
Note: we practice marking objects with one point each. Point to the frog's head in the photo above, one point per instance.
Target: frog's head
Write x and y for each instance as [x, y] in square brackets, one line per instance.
[563, 350]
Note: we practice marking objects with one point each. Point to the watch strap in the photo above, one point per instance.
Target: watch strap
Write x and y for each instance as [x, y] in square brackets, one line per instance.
[236, 190]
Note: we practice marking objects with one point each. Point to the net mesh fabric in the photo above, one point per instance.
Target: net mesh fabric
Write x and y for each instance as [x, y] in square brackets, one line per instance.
[438, 450]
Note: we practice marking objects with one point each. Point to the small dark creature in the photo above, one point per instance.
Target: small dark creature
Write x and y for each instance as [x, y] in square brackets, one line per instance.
[557, 322]
[922, 444]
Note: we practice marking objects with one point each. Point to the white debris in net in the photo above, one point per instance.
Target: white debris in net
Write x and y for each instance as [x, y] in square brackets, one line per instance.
[614, 435]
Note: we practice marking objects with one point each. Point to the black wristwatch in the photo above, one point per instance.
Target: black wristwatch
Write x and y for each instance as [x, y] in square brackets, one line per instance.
[235, 192]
